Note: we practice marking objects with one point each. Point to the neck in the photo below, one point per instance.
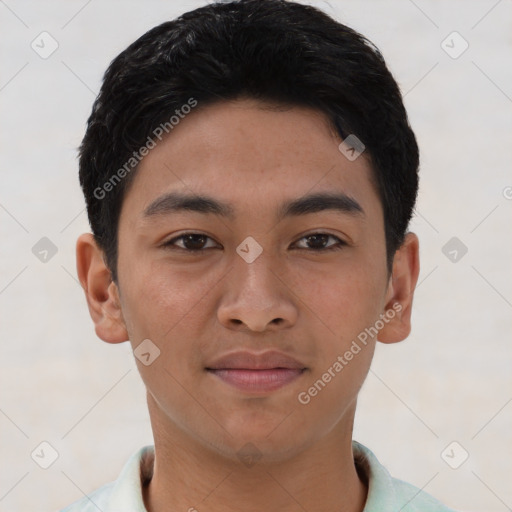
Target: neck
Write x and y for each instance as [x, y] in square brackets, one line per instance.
[191, 476]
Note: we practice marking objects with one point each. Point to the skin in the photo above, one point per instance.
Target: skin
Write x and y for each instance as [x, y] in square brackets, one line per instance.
[196, 307]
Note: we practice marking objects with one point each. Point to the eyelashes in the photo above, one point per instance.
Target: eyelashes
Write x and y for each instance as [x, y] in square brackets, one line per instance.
[200, 239]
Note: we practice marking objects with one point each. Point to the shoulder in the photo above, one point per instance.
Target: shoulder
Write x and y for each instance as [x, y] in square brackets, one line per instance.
[96, 500]
[123, 494]
[388, 494]
[416, 500]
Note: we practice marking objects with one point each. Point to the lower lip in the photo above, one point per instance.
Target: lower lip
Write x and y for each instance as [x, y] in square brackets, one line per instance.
[258, 380]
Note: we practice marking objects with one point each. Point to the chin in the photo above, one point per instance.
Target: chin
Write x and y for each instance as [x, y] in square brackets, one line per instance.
[273, 439]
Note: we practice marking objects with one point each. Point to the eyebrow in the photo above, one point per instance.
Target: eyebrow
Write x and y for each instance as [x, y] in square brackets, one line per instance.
[176, 202]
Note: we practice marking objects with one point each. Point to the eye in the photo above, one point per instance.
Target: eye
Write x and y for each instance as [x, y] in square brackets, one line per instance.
[319, 240]
[193, 242]
[197, 242]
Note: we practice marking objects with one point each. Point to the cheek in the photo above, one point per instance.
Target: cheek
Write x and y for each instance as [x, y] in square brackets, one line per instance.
[347, 306]
[171, 306]
[342, 297]
[161, 297]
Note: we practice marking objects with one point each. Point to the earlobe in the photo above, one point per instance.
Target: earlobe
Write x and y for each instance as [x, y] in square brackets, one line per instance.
[401, 287]
[101, 292]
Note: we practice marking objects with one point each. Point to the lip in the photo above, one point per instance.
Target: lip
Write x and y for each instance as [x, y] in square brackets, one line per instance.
[244, 360]
[256, 372]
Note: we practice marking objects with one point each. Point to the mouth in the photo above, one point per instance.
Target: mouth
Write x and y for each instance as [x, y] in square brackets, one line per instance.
[258, 381]
[257, 373]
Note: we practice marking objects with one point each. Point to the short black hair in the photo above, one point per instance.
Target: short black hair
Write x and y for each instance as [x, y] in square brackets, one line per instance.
[270, 50]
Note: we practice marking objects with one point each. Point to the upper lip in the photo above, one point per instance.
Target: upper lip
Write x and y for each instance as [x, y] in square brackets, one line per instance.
[255, 361]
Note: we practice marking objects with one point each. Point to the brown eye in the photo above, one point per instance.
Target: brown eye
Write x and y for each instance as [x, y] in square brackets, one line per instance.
[318, 242]
[192, 242]
[197, 242]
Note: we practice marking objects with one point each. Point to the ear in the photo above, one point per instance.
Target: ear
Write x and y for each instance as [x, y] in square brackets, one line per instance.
[101, 292]
[402, 282]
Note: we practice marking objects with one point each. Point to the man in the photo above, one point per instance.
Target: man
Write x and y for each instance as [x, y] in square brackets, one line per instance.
[250, 173]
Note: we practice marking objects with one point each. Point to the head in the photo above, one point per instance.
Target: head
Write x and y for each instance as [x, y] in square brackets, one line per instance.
[250, 105]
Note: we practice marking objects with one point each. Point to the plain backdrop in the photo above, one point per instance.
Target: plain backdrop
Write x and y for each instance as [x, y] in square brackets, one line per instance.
[450, 381]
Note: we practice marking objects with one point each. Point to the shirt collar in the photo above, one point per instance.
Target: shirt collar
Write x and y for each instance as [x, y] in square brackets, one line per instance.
[127, 490]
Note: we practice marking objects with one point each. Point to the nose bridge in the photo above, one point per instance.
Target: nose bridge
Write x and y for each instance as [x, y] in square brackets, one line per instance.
[255, 295]
[255, 272]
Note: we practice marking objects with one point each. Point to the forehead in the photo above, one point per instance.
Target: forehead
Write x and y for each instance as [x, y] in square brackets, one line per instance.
[248, 154]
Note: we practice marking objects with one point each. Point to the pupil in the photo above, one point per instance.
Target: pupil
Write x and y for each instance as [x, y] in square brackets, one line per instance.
[323, 238]
[189, 241]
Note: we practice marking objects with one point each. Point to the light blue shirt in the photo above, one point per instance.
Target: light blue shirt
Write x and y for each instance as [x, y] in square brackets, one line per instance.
[385, 493]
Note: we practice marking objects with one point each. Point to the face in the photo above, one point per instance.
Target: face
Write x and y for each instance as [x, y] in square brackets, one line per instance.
[304, 281]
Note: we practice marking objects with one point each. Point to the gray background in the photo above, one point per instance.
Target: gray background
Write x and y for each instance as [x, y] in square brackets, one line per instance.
[450, 381]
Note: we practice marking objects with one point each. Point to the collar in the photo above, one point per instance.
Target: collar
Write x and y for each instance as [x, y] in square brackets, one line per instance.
[126, 491]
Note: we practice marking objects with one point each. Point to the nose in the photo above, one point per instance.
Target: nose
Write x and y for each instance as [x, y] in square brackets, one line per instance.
[256, 298]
